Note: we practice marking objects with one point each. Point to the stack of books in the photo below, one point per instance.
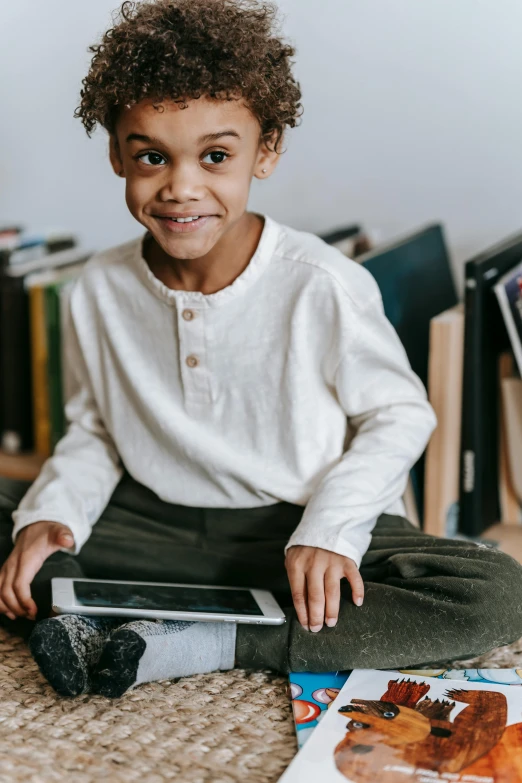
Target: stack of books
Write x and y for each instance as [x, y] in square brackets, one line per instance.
[474, 460]
[469, 356]
[36, 275]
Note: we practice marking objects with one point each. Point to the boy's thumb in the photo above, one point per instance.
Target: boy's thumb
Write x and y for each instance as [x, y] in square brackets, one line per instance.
[63, 537]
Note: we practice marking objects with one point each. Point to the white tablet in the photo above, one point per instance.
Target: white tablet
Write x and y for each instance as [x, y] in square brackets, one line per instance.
[163, 601]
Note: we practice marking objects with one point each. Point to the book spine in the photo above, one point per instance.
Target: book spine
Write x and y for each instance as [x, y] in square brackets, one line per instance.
[39, 358]
[509, 505]
[15, 369]
[69, 384]
[453, 404]
[445, 392]
[52, 309]
[470, 453]
[433, 517]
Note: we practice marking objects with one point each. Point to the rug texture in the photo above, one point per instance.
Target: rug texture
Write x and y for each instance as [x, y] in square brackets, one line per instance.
[228, 727]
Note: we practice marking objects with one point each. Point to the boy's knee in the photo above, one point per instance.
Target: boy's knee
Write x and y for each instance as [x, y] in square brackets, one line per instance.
[494, 602]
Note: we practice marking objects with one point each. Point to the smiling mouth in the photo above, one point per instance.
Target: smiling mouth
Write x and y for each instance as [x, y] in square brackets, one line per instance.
[193, 219]
[178, 226]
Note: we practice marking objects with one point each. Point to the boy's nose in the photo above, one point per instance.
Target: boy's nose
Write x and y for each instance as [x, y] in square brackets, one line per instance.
[181, 184]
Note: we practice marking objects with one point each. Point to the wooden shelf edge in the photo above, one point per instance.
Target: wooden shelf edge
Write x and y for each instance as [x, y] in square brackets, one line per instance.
[24, 467]
[509, 538]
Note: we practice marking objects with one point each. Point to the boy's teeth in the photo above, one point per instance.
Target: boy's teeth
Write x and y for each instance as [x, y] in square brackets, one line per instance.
[185, 220]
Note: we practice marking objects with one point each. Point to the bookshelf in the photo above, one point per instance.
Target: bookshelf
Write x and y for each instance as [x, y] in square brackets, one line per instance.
[20, 466]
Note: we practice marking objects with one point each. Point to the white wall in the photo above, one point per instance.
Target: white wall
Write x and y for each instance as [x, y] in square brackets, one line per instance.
[413, 112]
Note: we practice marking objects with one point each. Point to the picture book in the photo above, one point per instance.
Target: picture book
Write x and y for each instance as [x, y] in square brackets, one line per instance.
[312, 693]
[391, 727]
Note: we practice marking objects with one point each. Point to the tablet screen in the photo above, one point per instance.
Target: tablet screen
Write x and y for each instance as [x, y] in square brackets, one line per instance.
[169, 598]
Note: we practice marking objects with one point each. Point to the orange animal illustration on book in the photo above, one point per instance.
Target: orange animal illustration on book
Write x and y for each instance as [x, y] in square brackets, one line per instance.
[405, 730]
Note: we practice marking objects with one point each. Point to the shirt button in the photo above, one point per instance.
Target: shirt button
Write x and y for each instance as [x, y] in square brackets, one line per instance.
[192, 361]
[188, 315]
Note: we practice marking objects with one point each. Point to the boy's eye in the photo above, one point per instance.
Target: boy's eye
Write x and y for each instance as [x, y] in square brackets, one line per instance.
[224, 156]
[152, 158]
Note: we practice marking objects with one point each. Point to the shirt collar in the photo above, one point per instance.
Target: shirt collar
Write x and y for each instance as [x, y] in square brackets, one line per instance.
[257, 264]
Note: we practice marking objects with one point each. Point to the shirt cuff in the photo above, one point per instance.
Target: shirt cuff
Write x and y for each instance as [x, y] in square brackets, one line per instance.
[332, 544]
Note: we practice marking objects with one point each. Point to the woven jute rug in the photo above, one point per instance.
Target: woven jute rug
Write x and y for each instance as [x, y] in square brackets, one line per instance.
[224, 728]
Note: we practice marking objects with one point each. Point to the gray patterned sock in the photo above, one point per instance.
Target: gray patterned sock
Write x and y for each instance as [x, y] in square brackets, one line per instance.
[144, 651]
[67, 647]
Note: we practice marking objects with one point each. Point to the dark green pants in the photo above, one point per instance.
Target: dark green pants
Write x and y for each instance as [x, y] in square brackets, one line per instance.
[427, 599]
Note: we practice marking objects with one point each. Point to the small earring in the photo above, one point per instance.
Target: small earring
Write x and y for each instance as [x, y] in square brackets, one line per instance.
[264, 171]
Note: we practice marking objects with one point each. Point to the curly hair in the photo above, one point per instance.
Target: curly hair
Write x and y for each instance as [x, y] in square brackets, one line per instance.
[184, 49]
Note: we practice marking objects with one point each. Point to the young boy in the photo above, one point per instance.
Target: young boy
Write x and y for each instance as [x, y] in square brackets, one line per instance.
[240, 394]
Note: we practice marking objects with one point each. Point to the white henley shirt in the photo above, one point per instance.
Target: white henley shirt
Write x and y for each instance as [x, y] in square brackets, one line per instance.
[290, 384]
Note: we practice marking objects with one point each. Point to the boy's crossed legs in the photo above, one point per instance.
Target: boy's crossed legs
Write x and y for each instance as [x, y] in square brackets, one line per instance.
[142, 538]
[426, 599]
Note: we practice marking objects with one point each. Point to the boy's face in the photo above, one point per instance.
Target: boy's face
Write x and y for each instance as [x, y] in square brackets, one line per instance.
[172, 170]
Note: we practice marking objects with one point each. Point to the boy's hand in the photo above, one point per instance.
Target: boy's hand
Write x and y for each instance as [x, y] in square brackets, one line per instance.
[315, 576]
[34, 544]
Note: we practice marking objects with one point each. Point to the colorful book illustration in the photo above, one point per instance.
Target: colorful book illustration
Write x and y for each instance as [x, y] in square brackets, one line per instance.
[312, 694]
[390, 727]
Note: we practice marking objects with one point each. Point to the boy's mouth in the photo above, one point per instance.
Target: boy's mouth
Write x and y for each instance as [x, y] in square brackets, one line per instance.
[177, 226]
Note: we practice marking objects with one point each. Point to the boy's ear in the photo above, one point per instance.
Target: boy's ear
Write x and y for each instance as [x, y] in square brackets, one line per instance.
[115, 156]
[267, 158]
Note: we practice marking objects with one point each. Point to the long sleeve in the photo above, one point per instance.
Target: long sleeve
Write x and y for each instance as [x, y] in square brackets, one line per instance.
[76, 483]
[387, 408]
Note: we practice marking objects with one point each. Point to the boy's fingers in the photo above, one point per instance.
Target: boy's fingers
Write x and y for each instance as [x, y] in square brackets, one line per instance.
[315, 599]
[6, 611]
[21, 585]
[298, 588]
[23, 595]
[3, 607]
[356, 583]
[332, 589]
[9, 599]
